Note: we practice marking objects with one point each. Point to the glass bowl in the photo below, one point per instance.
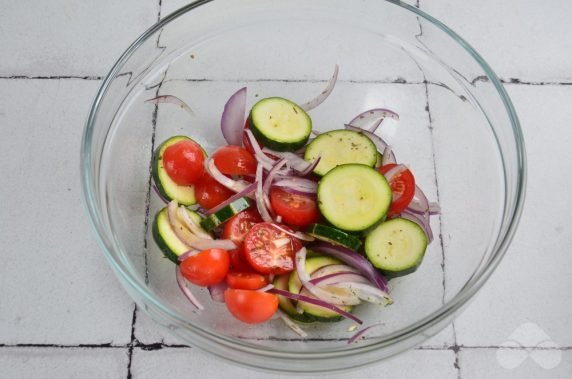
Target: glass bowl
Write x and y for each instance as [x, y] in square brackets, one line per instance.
[458, 132]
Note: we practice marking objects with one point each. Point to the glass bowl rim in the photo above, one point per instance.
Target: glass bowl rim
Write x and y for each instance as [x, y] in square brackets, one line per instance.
[445, 310]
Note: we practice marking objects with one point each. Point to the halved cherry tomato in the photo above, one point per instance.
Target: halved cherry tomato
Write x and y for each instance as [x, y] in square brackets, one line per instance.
[403, 188]
[207, 268]
[210, 193]
[248, 306]
[246, 280]
[295, 209]
[235, 160]
[235, 229]
[184, 161]
[269, 250]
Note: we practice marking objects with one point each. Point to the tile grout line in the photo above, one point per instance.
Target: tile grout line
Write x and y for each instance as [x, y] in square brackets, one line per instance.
[132, 341]
[161, 345]
[455, 347]
[52, 77]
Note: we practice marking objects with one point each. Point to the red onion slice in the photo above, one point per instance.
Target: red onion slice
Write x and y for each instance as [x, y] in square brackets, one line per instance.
[319, 292]
[184, 235]
[294, 161]
[170, 99]
[217, 291]
[233, 185]
[377, 140]
[245, 192]
[422, 221]
[188, 254]
[371, 119]
[260, 204]
[367, 292]
[232, 120]
[298, 235]
[204, 244]
[262, 158]
[270, 178]
[388, 156]
[318, 302]
[324, 94]
[266, 288]
[419, 204]
[353, 259]
[181, 282]
[305, 186]
[338, 277]
[361, 333]
[291, 324]
[192, 225]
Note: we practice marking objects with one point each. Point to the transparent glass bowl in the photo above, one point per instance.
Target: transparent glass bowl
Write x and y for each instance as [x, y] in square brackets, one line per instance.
[458, 132]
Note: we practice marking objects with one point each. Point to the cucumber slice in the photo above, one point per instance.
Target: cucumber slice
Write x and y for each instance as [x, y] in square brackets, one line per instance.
[396, 247]
[335, 236]
[295, 286]
[166, 238]
[281, 282]
[340, 147]
[354, 197]
[225, 213]
[185, 195]
[280, 124]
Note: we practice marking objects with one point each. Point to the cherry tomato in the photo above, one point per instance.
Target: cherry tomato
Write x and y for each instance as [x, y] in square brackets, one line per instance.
[402, 187]
[235, 229]
[184, 161]
[295, 209]
[246, 280]
[235, 160]
[207, 268]
[252, 307]
[210, 193]
[269, 250]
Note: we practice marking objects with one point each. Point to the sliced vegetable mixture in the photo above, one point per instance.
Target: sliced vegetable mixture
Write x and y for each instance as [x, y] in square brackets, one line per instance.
[303, 228]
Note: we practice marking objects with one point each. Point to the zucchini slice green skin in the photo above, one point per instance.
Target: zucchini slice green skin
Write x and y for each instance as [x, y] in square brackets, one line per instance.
[185, 195]
[396, 247]
[281, 283]
[165, 237]
[339, 147]
[334, 236]
[218, 218]
[354, 197]
[280, 124]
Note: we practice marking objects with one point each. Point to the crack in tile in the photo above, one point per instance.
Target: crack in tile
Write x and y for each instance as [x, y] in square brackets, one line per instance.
[512, 80]
[398, 80]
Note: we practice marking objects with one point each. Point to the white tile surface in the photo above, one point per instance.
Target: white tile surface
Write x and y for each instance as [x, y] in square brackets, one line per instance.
[521, 39]
[515, 364]
[63, 37]
[178, 363]
[56, 285]
[77, 363]
[529, 285]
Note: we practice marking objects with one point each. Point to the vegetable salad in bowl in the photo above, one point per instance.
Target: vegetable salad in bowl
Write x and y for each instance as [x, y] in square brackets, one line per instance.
[287, 221]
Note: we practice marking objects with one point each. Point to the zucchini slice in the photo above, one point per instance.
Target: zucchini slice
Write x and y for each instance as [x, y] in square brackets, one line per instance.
[335, 236]
[396, 247]
[340, 147]
[185, 195]
[281, 283]
[225, 214]
[166, 238]
[280, 124]
[354, 197]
